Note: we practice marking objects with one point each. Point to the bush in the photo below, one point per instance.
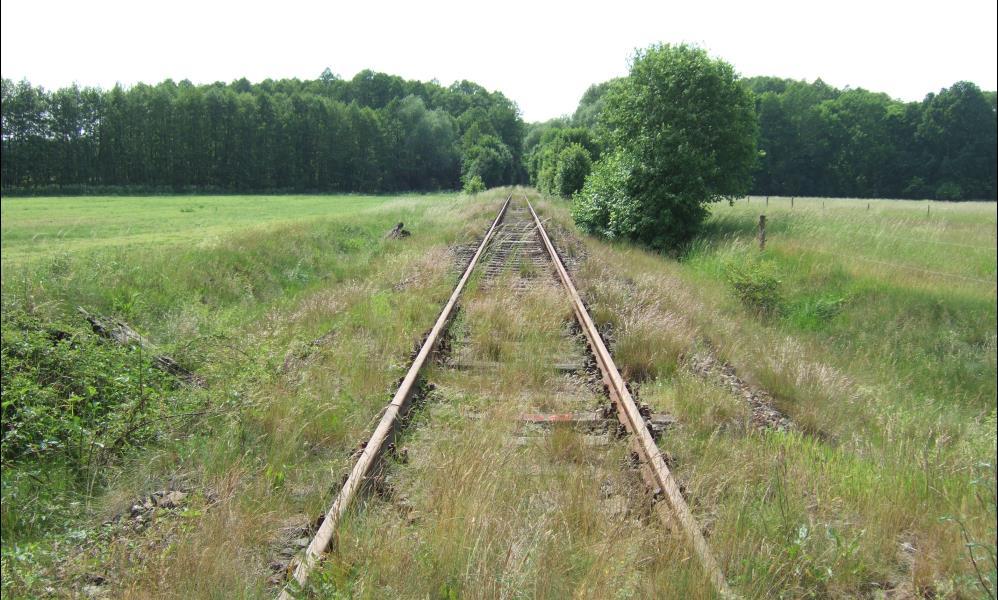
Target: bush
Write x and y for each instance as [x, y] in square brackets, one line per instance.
[490, 160]
[756, 284]
[473, 185]
[560, 161]
[603, 206]
[689, 127]
[949, 191]
[69, 394]
[574, 165]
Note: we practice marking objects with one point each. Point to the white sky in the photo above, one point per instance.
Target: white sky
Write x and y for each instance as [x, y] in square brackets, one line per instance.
[542, 55]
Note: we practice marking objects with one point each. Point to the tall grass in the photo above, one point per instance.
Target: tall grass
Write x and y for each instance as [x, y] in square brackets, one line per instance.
[888, 370]
[302, 322]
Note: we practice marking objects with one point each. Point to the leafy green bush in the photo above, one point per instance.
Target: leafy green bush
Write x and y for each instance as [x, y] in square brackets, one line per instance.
[689, 127]
[489, 159]
[67, 393]
[560, 161]
[949, 191]
[756, 284]
[603, 206]
[473, 184]
[574, 165]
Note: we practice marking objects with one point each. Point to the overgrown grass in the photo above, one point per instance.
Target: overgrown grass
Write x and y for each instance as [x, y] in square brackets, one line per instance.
[875, 330]
[302, 316]
[484, 507]
[298, 325]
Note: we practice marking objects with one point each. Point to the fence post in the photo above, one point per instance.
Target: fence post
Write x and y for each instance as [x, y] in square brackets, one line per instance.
[791, 201]
[762, 232]
[767, 200]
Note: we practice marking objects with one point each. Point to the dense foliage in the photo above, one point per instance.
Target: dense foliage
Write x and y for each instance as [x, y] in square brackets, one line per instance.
[67, 394]
[685, 128]
[561, 158]
[375, 132]
[817, 140]
[821, 141]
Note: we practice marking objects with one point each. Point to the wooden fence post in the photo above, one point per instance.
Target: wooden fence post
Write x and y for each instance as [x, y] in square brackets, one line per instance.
[791, 201]
[762, 232]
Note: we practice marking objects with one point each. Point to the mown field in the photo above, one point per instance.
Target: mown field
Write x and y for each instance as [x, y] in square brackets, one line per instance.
[874, 329]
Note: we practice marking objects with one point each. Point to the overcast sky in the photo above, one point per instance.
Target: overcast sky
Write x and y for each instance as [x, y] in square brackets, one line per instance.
[542, 55]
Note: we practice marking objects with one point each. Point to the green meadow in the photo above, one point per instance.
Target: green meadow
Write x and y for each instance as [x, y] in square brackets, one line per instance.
[874, 329]
[40, 227]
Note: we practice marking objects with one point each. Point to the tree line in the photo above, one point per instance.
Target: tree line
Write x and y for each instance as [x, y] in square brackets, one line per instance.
[379, 132]
[817, 140]
[374, 132]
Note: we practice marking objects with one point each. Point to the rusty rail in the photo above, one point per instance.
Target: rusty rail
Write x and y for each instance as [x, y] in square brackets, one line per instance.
[400, 401]
[653, 468]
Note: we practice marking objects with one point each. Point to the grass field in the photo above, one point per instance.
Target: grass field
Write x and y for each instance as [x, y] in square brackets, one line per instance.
[41, 227]
[875, 331]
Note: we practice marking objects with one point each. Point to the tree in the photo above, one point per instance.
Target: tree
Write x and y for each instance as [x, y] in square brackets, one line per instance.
[686, 129]
[591, 105]
[574, 165]
[546, 159]
[374, 132]
[490, 160]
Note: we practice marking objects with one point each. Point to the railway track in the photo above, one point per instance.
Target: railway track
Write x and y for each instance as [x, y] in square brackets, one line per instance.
[517, 257]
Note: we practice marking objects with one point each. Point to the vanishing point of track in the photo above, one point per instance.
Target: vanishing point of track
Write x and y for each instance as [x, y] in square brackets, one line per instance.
[517, 235]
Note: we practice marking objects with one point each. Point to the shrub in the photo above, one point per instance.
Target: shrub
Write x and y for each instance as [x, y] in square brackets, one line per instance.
[574, 165]
[603, 206]
[690, 128]
[473, 184]
[559, 163]
[489, 159]
[70, 394]
[949, 191]
[756, 284]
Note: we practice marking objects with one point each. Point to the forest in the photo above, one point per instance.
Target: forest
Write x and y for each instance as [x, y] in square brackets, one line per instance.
[381, 133]
[375, 132]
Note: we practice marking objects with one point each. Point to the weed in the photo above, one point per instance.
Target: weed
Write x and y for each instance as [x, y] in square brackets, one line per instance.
[756, 284]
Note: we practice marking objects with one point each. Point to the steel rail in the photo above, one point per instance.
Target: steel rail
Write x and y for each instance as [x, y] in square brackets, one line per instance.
[324, 536]
[653, 468]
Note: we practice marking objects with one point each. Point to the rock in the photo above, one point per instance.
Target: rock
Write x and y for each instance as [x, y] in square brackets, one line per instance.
[277, 566]
[172, 499]
[397, 233]
[302, 542]
[95, 591]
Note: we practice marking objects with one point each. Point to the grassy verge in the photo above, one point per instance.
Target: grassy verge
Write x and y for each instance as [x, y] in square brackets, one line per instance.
[298, 325]
[887, 369]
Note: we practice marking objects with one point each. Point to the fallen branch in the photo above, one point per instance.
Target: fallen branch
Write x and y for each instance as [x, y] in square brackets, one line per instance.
[121, 333]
